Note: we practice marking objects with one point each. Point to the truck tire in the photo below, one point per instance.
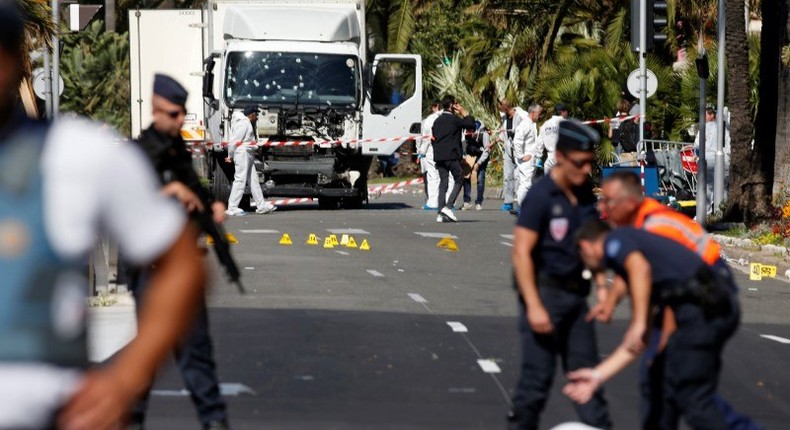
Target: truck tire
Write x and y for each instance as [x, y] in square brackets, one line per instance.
[221, 186]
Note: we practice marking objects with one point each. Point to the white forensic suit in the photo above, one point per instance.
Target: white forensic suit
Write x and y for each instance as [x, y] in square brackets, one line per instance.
[243, 160]
[547, 139]
[509, 164]
[428, 166]
[525, 142]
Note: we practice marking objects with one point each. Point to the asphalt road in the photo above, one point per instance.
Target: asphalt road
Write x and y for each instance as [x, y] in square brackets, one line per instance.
[348, 339]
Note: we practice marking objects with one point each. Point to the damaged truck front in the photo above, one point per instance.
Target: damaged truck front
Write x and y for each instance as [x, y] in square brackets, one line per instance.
[325, 111]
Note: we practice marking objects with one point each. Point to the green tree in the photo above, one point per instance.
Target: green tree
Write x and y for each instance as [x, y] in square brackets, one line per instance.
[95, 70]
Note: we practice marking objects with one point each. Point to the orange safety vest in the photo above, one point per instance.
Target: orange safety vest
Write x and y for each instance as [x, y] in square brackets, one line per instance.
[667, 222]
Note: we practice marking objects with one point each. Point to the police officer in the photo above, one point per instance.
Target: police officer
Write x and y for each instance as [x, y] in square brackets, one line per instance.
[624, 205]
[164, 146]
[661, 272]
[552, 293]
[54, 202]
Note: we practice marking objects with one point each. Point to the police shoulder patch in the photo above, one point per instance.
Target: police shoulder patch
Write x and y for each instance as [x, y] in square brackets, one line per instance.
[613, 247]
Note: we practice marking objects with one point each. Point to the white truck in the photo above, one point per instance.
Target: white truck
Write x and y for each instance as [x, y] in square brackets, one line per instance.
[305, 64]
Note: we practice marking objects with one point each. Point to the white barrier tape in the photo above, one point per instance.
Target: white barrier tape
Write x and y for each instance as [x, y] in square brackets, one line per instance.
[608, 120]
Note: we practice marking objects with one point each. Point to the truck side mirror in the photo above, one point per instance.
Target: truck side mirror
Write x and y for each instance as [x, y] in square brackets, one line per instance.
[208, 79]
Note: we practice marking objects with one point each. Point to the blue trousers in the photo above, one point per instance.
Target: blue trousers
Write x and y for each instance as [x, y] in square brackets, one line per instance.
[195, 360]
[574, 341]
[652, 372]
[481, 185]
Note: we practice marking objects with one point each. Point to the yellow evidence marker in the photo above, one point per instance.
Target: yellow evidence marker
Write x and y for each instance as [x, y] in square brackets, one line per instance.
[344, 240]
[286, 240]
[328, 243]
[312, 239]
[231, 239]
[333, 238]
[351, 243]
[364, 246]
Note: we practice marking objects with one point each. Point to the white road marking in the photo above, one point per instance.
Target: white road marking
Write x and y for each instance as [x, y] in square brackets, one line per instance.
[227, 389]
[775, 338]
[375, 273]
[342, 252]
[507, 236]
[507, 244]
[417, 298]
[752, 289]
[435, 235]
[461, 390]
[346, 231]
[249, 268]
[457, 327]
[260, 231]
[489, 366]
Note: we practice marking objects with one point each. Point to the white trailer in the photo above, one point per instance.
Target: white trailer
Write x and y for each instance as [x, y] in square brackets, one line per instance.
[305, 65]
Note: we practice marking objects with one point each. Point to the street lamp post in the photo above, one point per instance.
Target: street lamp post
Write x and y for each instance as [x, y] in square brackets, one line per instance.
[704, 72]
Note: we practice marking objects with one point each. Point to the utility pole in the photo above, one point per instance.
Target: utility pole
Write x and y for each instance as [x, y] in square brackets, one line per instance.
[55, 76]
[704, 72]
[643, 76]
[718, 173]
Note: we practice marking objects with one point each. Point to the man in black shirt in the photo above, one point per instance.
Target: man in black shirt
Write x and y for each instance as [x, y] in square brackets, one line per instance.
[448, 132]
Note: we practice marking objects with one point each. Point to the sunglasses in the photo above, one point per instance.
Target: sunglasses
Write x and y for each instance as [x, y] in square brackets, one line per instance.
[580, 163]
[172, 113]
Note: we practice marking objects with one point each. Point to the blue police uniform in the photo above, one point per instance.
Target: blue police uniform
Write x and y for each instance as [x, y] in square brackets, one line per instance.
[707, 314]
[547, 211]
[39, 289]
[195, 353]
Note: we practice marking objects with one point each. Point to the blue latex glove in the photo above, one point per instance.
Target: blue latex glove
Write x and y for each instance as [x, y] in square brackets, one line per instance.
[420, 156]
[539, 163]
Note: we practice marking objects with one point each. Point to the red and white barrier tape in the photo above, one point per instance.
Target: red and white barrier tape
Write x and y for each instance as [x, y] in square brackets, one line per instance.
[383, 189]
[268, 143]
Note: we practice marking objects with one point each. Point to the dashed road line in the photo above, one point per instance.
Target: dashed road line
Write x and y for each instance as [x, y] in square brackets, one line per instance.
[417, 298]
[342, 252]
[775, 338]
[376, 273]
[489, 366]
[347, 231]
[457, 327]
[249, 268]
[507, 236]
[435, 235]
[507, 244]
[260, 231]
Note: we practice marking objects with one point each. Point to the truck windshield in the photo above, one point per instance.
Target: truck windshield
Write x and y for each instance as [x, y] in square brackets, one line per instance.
[291, 78]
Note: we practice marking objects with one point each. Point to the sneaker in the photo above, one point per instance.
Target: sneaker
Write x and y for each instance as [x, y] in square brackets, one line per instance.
[440, 218]
[448, 213]
[466, 206]
[478, 207]
[507, 207]
[425, 207]
[514, 211]
[266, 209]
[235, 212]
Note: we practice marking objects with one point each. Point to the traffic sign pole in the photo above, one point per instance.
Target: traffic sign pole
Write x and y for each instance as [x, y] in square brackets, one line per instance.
[643, 76]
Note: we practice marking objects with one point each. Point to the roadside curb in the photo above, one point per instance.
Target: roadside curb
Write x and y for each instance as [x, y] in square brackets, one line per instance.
[741, 253]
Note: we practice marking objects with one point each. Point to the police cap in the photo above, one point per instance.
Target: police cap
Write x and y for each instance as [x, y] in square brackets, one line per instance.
[12, 28]
[249, 110]
[575, 136]
[170, 89]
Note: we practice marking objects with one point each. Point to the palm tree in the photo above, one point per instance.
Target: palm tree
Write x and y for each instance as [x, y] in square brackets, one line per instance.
[749, 187]
[782, 163]
[38, 34]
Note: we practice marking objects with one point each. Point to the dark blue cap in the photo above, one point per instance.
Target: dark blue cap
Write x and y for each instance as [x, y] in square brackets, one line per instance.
[575, 136]
[170, 89]
[12, 27]
[560, 107]
[250, 109]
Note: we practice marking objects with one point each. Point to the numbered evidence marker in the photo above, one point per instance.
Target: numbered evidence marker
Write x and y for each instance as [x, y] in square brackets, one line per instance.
[757, 271]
